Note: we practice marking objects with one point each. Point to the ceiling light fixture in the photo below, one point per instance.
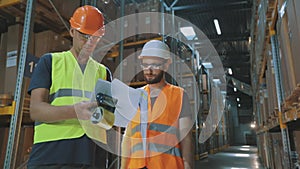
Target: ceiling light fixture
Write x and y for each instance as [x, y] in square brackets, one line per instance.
[207, 65]
[217, 81]
[229, 71]
[235, 89]
[188, 32]
[106, 1]
[216, 22]
[238, 99]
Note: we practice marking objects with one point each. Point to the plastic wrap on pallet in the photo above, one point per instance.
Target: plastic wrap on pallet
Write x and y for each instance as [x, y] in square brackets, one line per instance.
[261, 112]
[294, 36]
[272, 81]
[271, 87]
[269, 149]
[289, 38]
[3, 142]
[277, 153]
[263, 105]
[262, 148]
[261, 31]
[296, 140]
[3, 51]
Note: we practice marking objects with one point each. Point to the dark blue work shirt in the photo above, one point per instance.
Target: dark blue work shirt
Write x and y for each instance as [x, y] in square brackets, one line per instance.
[70, 151]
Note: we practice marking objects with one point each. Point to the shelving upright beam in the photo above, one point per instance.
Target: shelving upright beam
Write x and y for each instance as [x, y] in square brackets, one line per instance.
[16, 117]
[280, 96]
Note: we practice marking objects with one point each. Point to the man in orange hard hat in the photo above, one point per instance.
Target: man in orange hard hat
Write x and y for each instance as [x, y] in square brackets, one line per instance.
[57, 102]
[169, 142]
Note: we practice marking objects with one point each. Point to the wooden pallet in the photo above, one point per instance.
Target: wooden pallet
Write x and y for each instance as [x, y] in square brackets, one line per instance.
[293, 100]
[293, 113]
[5, 100]
[8, 110]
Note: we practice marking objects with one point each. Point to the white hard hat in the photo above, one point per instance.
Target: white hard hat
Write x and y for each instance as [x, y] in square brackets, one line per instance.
[155, 48]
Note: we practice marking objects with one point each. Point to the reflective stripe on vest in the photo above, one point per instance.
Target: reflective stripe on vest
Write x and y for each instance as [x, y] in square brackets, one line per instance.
[159, 148]
[70, 92]
[157, 127]
[163, 148]
[69, 86]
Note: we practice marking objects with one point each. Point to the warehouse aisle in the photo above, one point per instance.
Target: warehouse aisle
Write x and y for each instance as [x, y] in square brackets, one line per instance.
[235, 157]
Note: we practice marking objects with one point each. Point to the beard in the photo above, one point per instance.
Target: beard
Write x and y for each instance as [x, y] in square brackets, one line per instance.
[156, 79]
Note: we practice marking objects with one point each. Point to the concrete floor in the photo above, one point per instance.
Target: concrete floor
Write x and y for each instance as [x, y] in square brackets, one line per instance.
[235, 157]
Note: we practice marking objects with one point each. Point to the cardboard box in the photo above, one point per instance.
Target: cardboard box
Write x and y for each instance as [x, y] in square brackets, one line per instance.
[25, 144]
[288, 74]
[3, 143]
[14, 37]
[278, 154]
[49, 41]
[294, 36]
[12, 52]
[130, 65]
[297, 11]
[2, 60]
[296, 135]
[67, 8]
[271, 87]
[289, 39]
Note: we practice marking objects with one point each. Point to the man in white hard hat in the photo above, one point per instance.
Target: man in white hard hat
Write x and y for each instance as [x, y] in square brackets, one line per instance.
[169, 136]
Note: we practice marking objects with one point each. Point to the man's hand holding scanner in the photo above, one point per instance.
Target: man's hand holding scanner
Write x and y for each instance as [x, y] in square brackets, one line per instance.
[85, 109]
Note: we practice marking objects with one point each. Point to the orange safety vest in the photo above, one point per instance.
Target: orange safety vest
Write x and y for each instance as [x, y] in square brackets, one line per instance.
[163, 149]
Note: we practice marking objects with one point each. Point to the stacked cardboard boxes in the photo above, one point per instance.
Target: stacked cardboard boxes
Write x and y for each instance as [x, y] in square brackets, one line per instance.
[13, 43]
[49, 41]
[288, 31]
[2, 60]
[24, 148]
[278, 156]
[3, 144]
[289, 37]
[296, 140]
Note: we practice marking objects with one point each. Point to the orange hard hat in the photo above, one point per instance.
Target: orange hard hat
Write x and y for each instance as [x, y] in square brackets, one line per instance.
[88, 20]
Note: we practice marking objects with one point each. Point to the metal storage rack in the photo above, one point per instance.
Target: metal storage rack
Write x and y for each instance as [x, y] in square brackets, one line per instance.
[196, 99]
[283, 113]
[16, 109]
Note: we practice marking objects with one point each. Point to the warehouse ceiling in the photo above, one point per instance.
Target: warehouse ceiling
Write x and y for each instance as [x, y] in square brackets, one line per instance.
[232, 45]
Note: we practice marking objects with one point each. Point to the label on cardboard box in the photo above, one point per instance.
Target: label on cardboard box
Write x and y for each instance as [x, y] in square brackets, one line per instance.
[11, 58]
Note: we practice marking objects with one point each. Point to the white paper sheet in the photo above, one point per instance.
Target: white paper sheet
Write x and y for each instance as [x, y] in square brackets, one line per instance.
[128, 102]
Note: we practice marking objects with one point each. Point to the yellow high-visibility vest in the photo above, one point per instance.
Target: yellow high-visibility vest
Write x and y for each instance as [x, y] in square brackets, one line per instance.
[69, 86]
